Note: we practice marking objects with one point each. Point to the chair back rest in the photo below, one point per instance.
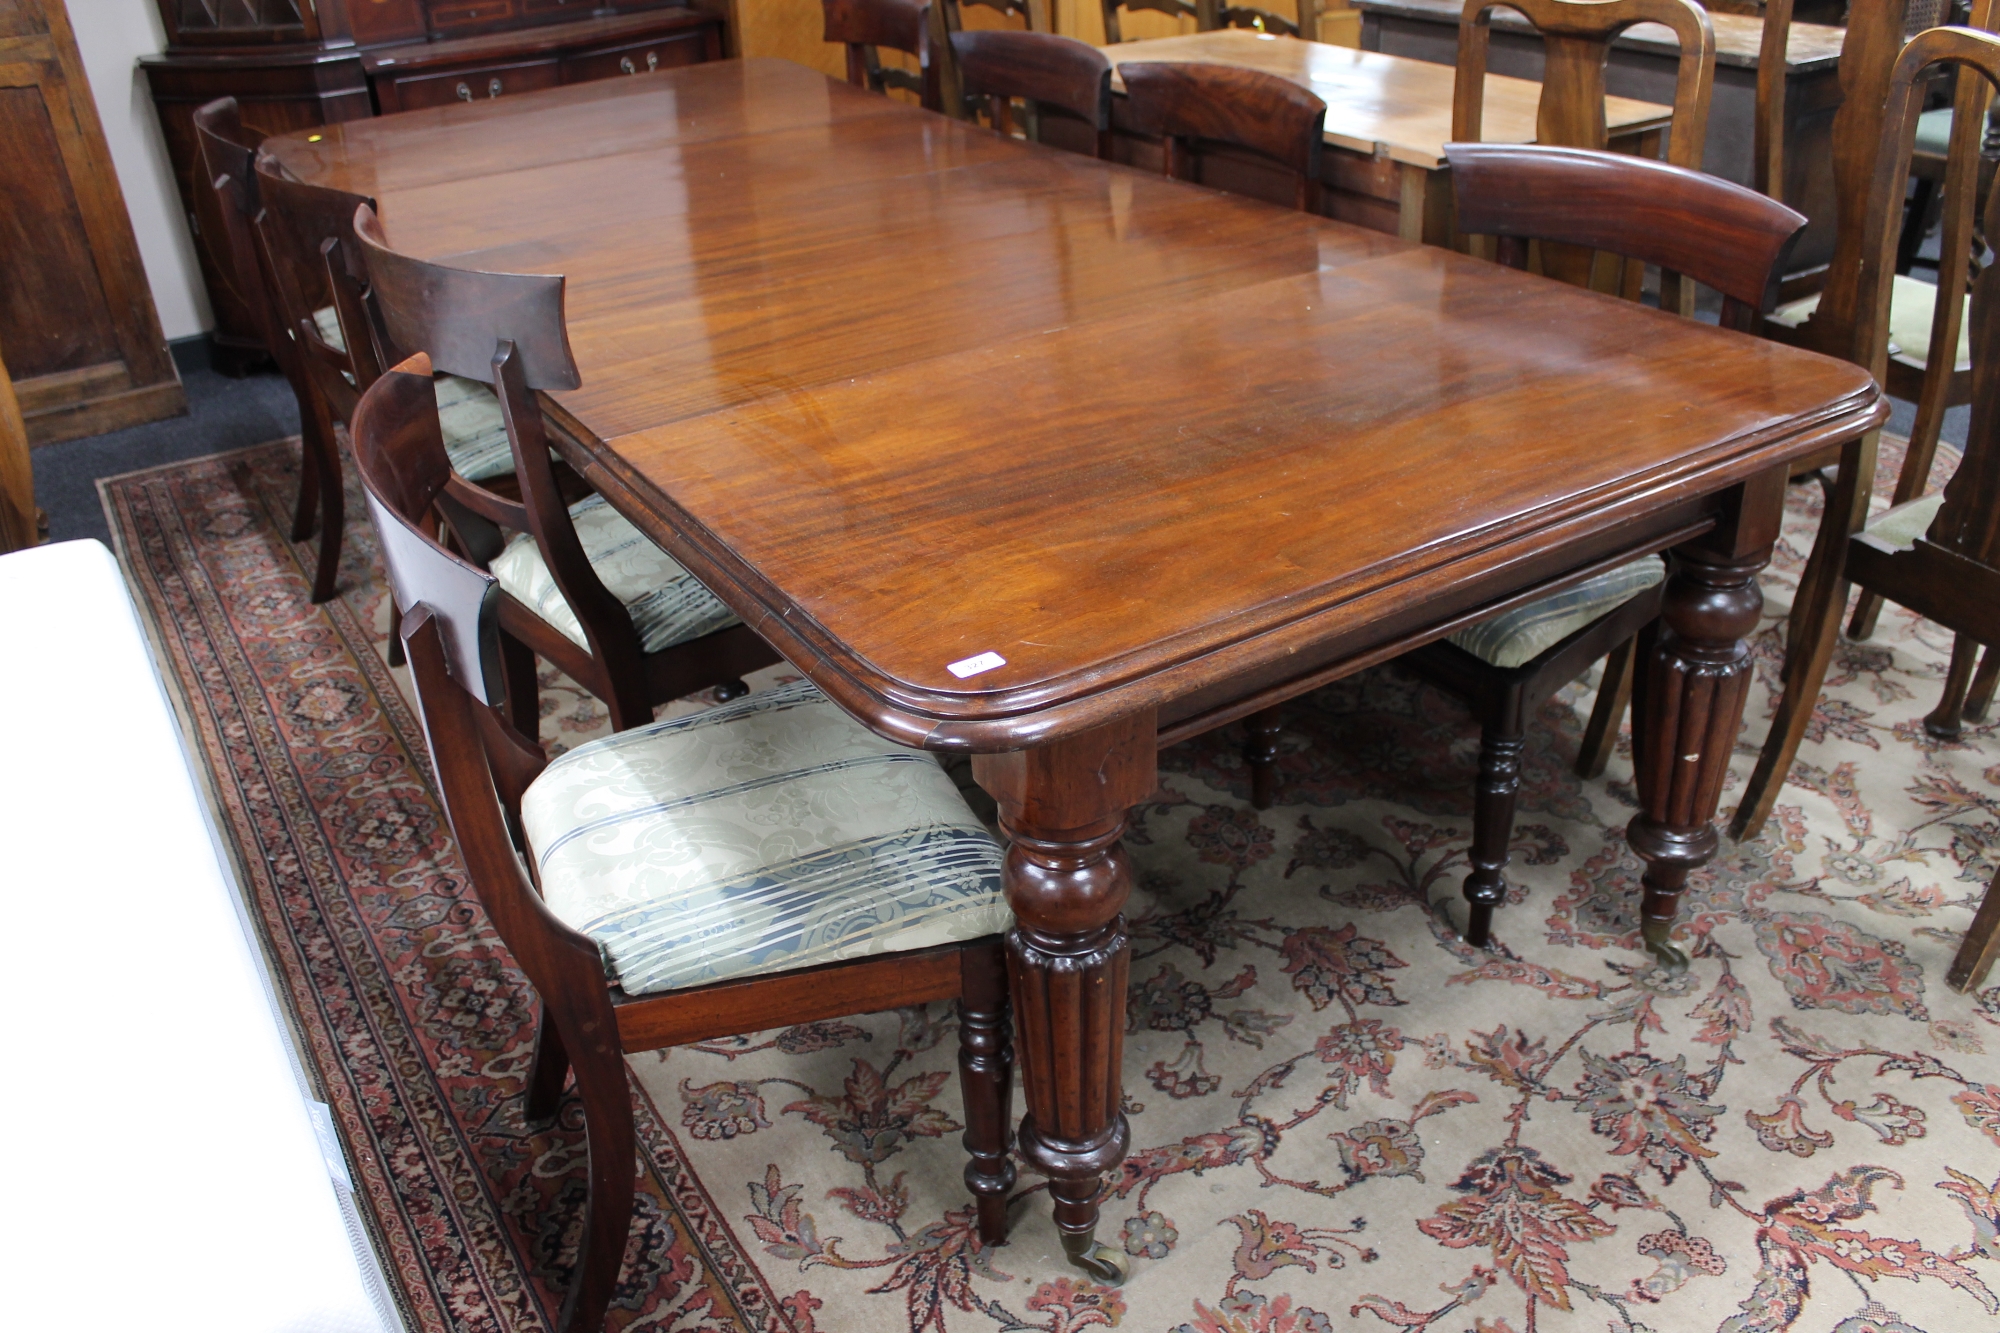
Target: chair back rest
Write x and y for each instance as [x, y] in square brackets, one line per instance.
[1249, 109]
[1712, 230]
[866, 26]
[316, 262]
[1179, 9]
[459, 317]
[1054, 73]
[1874, 41]
[399, 452]
[1576, 40]
[1767, 154]
[227, 151]
[1034, 14]
[1305, 24]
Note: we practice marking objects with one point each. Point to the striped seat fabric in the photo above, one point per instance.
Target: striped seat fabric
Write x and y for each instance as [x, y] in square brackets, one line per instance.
[667, 604]
[768, 834]
[475, 437]
[1524, 633]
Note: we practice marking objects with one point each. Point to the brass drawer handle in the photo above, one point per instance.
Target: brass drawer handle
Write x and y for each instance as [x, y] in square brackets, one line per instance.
[625, 65]
[493, 86]
[652, 60]
[464, 93]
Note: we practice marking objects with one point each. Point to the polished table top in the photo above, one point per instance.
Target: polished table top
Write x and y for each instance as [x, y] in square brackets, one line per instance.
[1379, 103]
[905, 392]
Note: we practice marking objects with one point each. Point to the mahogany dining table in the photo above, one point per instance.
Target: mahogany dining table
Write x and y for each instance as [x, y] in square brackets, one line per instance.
[1019, 453]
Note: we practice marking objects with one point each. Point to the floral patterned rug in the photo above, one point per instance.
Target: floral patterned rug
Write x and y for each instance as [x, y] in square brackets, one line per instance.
[1340, 1115]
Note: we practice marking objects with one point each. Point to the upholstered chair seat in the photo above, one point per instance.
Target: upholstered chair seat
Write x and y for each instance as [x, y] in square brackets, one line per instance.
[1514, 638]
[1911, 304]
[1899, 528]
[474, 435]
[765, 835]
[667, 604]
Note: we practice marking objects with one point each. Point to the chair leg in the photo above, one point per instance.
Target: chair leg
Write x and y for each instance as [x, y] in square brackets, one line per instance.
[1500, 749]
[986, 1079]
[1260, 752]
[1947, 720]
[1983, 680]
[1981, 946]
[607, 1218]
[1614, 696]
[524, 700]
[1795, 710]
[395, 640]
[549, 1073]
[307, 508]
[1810, 636]
[332, 518]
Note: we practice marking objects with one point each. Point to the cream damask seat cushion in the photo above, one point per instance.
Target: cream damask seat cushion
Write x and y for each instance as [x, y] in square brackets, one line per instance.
[771, 833]
[1898, 529]
[1524, 633]
[667, 604]
[1912, 301]
[475, 437]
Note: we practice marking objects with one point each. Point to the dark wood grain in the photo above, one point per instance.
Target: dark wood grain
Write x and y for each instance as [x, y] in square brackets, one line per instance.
[1058, 75]
[1189, 105]
[1173, 455]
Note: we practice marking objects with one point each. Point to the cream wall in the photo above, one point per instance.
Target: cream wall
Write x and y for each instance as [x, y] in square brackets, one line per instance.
[111, 35]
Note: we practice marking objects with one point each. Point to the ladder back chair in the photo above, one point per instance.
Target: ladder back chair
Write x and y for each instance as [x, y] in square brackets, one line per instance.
[1576, 41]
[1188, 105]
[1716, 233]
[867, 27]
[1938, 555]
[228, 154]
[583, 588]
[1054, 76]
[713, 927]
[1302, 24]
[1114, 33]
[1914, 320]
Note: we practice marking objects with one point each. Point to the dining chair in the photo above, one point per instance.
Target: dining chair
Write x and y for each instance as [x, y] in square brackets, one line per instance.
[320, 295]
[867, 27]
[228, 151]
[765, 862]
[1114, 33]
[583, 588]
[1938, 555]
[1576, 40]
[1303, 24]
[1912, 321]
[1189, 106]
[1053, 76]
[1706, 229]
[1034, 15]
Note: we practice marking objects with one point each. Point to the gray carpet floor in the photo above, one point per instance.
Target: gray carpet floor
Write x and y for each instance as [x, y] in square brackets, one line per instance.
[222, 414]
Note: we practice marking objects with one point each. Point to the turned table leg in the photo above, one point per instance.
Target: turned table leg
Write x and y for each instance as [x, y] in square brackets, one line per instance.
[1693, 675]
[1062, 807]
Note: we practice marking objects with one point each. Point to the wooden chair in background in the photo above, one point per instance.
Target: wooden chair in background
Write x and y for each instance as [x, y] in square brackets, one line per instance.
[867, 27]
[228, 154]
[1303, 24]
[1054, 76]
[1938, 555]
[1114, 33]
[706, 946]
[1191, 106]
[1831, 321]
[582, 587]
[1716, 233]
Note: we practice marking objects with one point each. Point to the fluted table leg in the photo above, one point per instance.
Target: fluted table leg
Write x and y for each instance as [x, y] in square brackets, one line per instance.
[1693, 674]
[1063, 808]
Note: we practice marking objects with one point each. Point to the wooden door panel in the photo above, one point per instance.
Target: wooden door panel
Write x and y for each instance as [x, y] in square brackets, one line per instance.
[77, 324]
[53, 315]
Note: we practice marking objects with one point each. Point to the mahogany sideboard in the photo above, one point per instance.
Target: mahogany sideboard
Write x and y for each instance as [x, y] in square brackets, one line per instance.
[295, 65]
